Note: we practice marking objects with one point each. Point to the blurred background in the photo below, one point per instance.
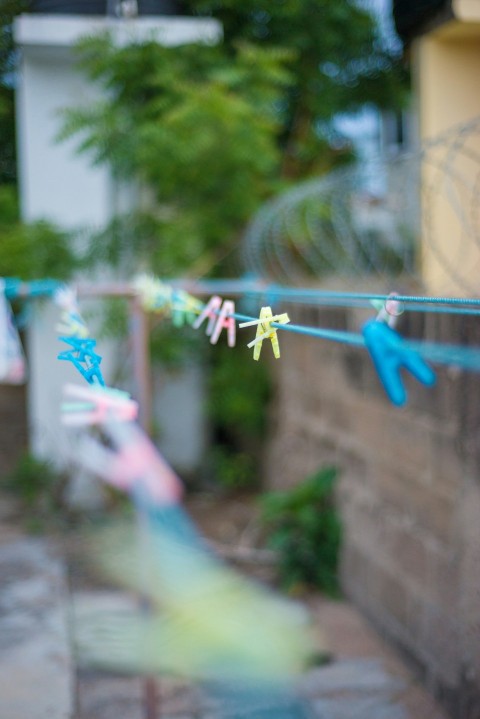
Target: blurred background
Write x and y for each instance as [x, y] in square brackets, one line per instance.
[308, 143]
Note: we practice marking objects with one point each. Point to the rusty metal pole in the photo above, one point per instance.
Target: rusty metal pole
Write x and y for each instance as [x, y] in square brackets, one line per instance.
[141, 363]
[139, 336]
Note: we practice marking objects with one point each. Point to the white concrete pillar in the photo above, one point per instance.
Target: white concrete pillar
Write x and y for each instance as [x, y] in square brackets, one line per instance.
[60, 185]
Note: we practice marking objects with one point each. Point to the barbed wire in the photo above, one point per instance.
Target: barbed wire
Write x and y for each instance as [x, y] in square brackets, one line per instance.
[337, 225]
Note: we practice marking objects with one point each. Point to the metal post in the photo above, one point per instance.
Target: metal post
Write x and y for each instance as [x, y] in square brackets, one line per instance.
[142, 393]
[141, 364]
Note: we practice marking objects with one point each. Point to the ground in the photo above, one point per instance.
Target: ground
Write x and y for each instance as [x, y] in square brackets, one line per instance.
[46, 587]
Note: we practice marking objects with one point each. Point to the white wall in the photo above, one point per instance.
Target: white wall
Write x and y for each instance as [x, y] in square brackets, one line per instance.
[62, 186]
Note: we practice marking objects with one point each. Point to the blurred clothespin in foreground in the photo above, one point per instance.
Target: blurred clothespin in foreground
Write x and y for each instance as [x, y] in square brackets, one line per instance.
[131, 463]
[220, 316]
[97, 405]
[390, 354]
[266, 331]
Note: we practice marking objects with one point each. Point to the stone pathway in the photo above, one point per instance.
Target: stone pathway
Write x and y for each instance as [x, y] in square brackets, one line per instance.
[36, 672]
[365, 680]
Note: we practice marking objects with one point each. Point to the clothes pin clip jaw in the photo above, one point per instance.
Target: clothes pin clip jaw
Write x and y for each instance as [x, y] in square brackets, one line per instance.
[225, 320]
[210, 312]
[84, 358]
[95, 405]
[390, 355]
[134, 464]
[389, 310]
[266, 331]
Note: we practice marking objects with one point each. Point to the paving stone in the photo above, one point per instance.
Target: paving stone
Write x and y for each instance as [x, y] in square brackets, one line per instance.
[109, 697]
[36, 673]
[359, 708]
[356, 675]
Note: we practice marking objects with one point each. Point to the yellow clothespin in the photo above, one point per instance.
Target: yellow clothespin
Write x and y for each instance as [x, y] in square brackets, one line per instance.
[265, 331]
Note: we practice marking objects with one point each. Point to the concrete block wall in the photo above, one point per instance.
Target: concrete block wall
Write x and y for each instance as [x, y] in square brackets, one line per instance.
[409, 489]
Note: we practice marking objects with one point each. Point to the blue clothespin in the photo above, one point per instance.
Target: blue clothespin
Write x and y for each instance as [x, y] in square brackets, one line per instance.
[84, 358]
[390, 354]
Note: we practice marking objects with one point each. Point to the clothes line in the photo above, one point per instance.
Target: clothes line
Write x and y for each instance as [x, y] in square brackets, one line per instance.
[389, 351]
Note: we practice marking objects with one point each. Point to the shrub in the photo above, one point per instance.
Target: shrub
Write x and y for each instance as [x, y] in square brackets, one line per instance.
[36, 483]
[303, 526]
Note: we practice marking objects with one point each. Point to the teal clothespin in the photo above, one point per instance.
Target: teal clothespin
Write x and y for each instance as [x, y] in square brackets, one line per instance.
[390, 354]
[84, 358]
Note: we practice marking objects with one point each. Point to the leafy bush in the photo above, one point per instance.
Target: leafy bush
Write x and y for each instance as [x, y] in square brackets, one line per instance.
[304, 527]
[196, 127]
[36, 483]
[233, 470]
[31, 250]
[239, 393]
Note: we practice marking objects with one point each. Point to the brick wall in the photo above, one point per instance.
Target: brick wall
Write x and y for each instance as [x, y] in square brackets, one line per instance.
[13, 425]
[409, 492]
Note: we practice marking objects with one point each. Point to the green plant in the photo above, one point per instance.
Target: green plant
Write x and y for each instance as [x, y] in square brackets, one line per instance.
[339, 62]
[239, 393]
[196, 129]
[233, 470]
[304, 527]
[31, 250]
[36, 483]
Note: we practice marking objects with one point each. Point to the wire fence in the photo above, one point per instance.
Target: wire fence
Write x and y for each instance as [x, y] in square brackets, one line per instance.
[384, 219]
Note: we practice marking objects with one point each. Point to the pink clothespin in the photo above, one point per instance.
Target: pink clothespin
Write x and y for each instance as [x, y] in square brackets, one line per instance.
[97, 405]
[225, 321]
[210, 312]
[134, 464]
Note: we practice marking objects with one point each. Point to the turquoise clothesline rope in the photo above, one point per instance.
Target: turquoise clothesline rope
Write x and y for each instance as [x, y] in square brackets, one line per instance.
[462, 357]
[15, 288]
[274, 293]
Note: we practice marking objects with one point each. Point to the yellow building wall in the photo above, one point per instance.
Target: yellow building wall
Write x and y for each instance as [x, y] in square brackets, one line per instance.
[447, 76]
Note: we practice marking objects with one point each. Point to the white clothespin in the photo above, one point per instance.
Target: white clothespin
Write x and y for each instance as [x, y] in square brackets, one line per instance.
[210, 312]
[97, 405]
[266, 331]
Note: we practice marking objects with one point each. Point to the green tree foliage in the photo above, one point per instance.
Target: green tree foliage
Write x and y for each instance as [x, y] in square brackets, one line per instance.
[31, 251]
[211, 131]
[339, 63]
[8, 10]
[194, 126]
[38, 249]
[208, 132]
